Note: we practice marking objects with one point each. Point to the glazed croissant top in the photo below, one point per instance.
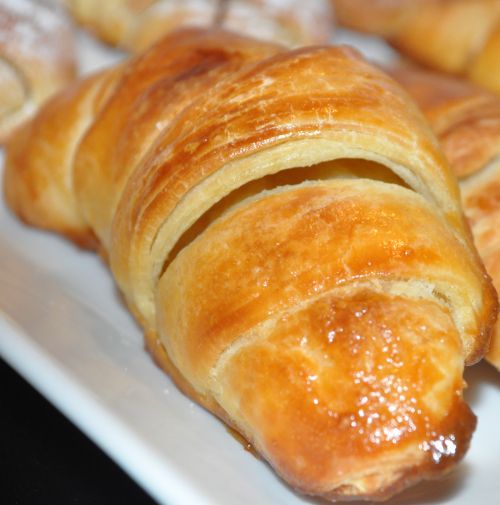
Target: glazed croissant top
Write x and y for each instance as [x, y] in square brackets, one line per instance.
[286, 230]
[456, 36]
[466, 120]
[135, 25]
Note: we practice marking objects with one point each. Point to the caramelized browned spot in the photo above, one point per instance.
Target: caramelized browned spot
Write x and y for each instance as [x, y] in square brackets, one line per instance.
[352, 387]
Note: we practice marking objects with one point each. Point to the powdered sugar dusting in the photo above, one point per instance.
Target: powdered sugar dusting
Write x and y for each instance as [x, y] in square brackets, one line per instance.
[305, 24]
[312, 8]
[33, 29]
[172, 6]
[196, 12]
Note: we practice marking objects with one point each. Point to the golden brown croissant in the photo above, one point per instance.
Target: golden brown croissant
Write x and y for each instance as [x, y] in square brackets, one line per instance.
[135, 25]
[287, 232]
[36, 58]
[456, 36]
[466, 120]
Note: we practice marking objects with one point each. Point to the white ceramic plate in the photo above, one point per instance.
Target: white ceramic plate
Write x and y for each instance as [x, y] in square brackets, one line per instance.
[63, 328]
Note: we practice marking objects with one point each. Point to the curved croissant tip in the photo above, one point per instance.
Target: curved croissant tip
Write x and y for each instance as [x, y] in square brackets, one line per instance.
[362, 399]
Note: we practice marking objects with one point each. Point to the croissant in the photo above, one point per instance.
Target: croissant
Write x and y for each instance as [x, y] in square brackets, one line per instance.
[456, 36]
[136, 25]
[287, 232]
[37, 58]
[466, 120]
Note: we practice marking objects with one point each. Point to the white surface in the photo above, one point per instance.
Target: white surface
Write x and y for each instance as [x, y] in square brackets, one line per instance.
[63, 328]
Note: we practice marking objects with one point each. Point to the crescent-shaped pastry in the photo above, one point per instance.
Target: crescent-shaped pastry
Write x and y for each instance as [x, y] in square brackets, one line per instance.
[466, 120]
[456, 36]
[286, 230]
[36, 58]
[134, 25]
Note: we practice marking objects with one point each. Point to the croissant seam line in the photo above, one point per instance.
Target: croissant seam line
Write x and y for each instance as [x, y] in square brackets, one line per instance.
[253, 335]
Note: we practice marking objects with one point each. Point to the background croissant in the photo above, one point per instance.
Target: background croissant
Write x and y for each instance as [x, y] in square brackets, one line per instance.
[285, 229]
[36, 58]
[134, 25]
[456, 36]
[466, 120]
